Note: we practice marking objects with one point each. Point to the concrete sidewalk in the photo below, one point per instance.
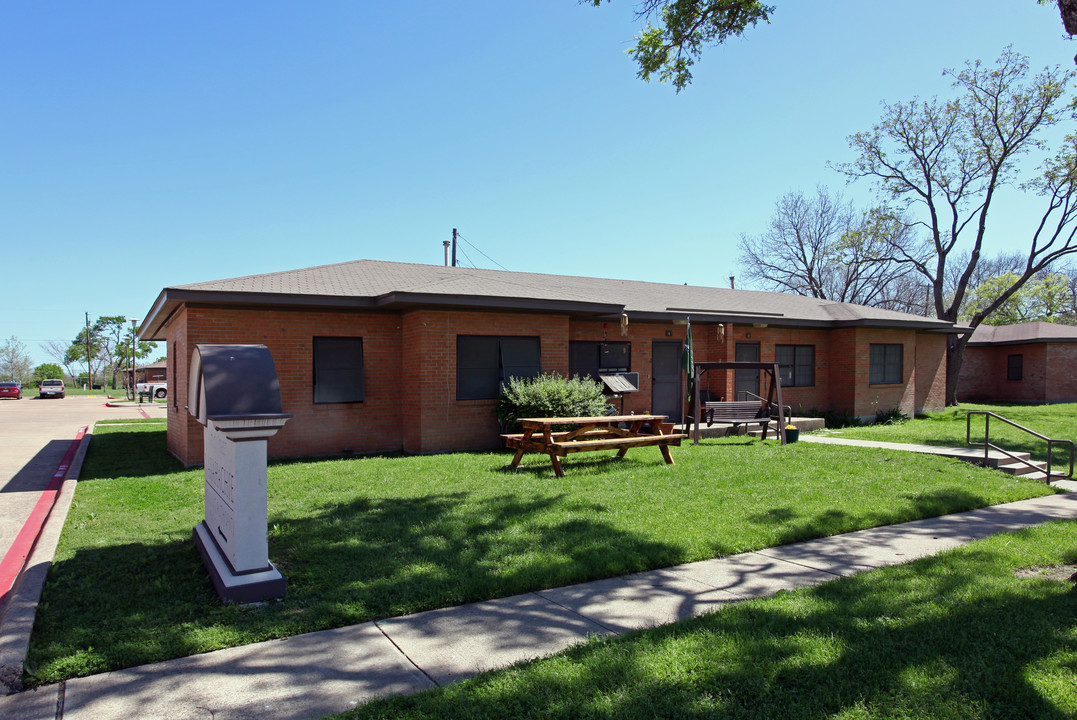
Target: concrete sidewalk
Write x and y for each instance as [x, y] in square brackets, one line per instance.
[321, 673]
[974, 455]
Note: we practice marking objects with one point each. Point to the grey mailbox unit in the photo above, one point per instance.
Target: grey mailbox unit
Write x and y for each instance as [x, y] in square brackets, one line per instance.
[234, 393]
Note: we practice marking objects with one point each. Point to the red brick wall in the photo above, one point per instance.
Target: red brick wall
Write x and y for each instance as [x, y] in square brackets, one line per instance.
[1037, 375]
[871, 399]
[1060, 372]
[842, 365]
[410, 371]
[930, 372]
[979, 374]
[179, 426]
[641, 335]
[1049, 373]
[842, 372]
[437, 421]
[801, 399]
[373, 425]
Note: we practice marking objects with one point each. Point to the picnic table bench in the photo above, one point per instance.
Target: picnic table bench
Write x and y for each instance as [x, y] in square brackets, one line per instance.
[589, 434]
[740, 412]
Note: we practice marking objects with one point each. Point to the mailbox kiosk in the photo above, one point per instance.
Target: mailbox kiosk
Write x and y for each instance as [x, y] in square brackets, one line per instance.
[234, 393]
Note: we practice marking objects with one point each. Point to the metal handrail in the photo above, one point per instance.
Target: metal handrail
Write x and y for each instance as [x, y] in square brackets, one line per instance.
[788, 408]
[987, 445]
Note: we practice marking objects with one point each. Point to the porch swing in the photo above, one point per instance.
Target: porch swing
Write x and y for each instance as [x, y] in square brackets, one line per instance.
[759, 411]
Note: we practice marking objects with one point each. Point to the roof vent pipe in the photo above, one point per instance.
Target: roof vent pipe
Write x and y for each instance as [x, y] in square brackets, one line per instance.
[446, 243]
[732, 286]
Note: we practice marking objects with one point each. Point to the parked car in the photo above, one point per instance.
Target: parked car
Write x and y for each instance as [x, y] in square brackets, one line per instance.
[157, 389]
[51, 388]
[10, 390]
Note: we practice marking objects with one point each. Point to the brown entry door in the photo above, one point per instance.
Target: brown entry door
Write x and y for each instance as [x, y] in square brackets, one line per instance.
[746, 380]
[666, 378]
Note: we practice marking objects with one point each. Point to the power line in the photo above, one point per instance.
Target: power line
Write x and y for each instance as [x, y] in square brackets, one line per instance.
[495, 262]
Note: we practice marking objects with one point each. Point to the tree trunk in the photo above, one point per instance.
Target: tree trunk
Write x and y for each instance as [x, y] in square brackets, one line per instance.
[955, 355]
[1068, 9]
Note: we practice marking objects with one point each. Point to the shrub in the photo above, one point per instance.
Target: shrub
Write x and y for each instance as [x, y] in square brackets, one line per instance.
[890, 417]
[550, 396]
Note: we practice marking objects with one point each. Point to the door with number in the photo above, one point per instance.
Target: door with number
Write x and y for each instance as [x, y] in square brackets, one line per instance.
[666, 378]
[746, 380]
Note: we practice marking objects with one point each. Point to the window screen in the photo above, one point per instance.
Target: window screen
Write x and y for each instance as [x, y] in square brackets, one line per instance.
[338, 370]
[885, 366]
[796, 364]
[484, 362]
[589, 358]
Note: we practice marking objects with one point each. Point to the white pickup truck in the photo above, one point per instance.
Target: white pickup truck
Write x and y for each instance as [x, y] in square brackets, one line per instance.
[158, 389]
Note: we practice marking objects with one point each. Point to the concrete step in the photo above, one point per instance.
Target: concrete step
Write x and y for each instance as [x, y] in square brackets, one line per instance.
[805, 425]
[1015, 467]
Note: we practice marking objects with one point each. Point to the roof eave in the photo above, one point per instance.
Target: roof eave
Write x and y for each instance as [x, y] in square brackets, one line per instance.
[171, 298]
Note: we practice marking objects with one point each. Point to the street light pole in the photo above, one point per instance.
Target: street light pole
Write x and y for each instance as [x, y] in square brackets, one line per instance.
[131, 362]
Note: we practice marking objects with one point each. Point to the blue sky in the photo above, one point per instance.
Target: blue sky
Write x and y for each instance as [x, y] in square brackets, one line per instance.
[144, 145]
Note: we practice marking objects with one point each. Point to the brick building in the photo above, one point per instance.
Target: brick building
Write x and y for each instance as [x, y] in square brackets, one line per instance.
[1033, 362]
[382, 356]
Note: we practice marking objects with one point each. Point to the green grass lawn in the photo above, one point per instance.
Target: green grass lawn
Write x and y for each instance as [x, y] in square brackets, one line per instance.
[948, 428]
[965, 634]
[376, 537]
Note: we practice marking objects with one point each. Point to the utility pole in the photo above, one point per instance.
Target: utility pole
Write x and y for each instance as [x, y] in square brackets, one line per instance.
[454, 247]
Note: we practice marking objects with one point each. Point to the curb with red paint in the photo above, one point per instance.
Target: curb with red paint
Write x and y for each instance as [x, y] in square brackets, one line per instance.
[20, 550]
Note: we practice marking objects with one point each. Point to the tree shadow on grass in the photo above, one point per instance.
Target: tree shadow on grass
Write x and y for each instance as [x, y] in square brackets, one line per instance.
[128, 453]
[802, 526]
[119, 606]
[592, 463]
[852, 647]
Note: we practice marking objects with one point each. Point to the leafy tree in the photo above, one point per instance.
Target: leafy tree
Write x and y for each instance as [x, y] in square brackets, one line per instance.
[684, 28]
[1047, 297]
[14, 360]
[46, 371]
[110, 331]
[109, 348]
[1069, 315]
[84, 352]
[944, 162]
[822, 247]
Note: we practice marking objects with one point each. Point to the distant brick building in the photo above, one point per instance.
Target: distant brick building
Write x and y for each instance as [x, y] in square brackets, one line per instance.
[380, 356]
[1032, 362]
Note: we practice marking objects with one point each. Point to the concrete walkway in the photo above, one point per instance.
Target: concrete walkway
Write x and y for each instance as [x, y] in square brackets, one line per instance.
[968, 454]
[321, 673]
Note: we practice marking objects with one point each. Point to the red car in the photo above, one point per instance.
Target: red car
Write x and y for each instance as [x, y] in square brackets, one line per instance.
[10, 390]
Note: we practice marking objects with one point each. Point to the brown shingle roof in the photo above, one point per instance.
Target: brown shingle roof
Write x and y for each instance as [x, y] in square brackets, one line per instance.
[393, 285]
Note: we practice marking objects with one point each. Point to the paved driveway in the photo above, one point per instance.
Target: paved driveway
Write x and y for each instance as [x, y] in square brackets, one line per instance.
[34, 434]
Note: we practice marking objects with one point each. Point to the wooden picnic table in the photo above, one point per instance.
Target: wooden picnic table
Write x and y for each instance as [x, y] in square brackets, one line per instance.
[587, 434]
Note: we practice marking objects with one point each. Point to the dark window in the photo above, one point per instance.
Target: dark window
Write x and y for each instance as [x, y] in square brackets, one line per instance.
[588, 358]
[885, 364]
[484, 362]
[338, 370]
[1015, 367]
[796, 364]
